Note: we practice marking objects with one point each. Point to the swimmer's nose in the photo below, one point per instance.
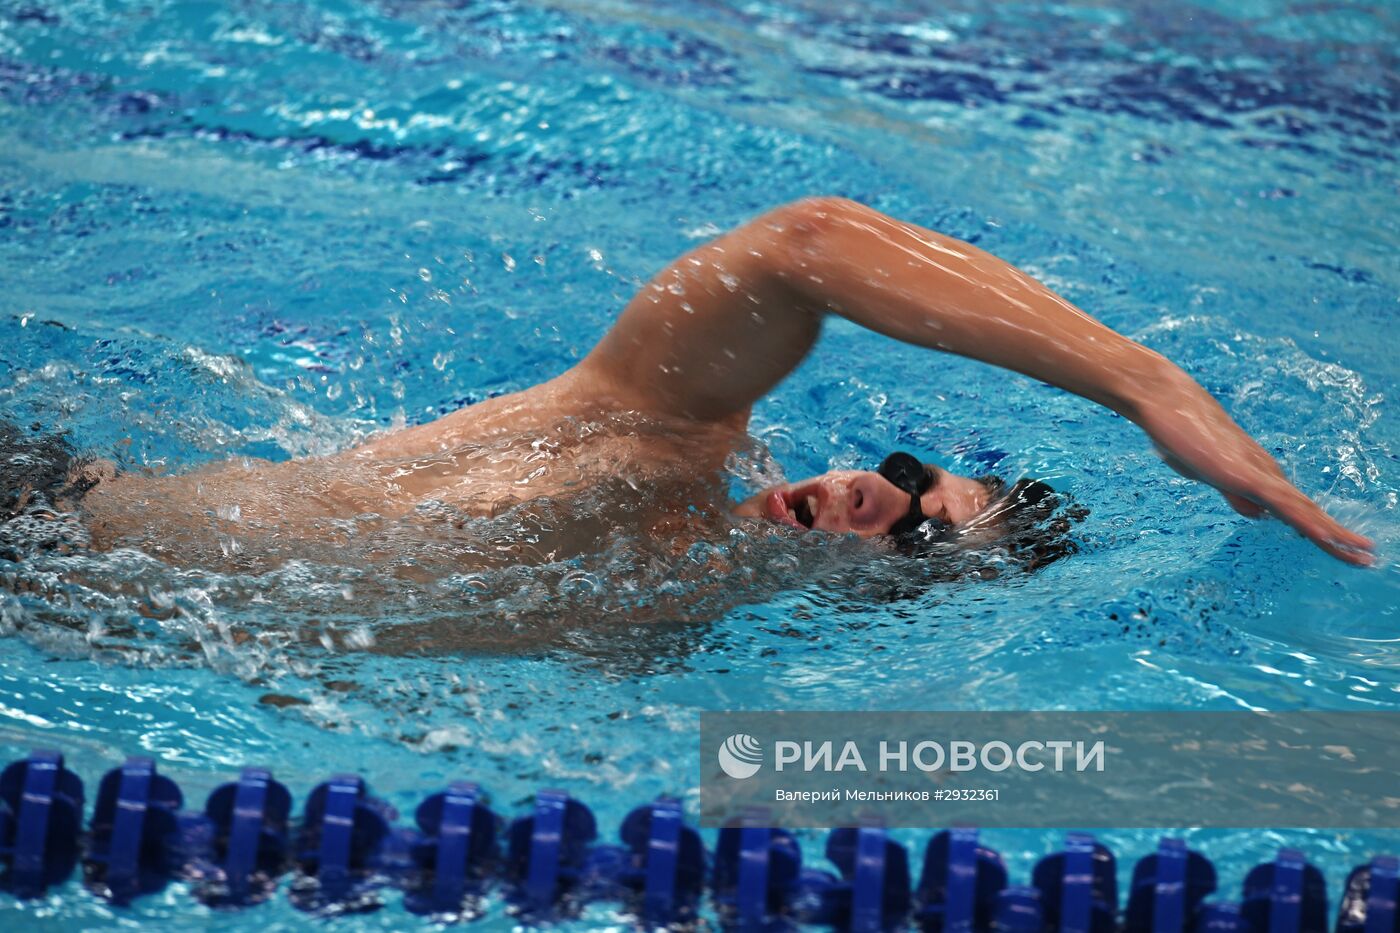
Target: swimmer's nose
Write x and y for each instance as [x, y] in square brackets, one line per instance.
[864, 499]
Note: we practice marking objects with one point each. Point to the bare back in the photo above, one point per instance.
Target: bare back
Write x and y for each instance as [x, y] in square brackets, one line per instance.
[560, 441]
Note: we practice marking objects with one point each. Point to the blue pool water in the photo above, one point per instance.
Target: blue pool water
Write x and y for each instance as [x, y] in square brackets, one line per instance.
[267, 229]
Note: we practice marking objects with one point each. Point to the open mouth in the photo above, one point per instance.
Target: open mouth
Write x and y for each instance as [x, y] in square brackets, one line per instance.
[796, 507]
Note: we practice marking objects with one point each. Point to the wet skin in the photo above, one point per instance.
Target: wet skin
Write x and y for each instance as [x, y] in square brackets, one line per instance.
[717, 329]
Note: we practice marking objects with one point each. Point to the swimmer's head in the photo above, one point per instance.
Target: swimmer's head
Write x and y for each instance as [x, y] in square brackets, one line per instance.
[903, 496]
[927, 512]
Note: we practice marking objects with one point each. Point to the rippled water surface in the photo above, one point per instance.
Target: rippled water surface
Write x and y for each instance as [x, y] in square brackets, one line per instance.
[268, 230]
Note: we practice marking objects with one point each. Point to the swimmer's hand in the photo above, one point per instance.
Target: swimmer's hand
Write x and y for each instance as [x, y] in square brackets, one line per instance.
[1198, 439]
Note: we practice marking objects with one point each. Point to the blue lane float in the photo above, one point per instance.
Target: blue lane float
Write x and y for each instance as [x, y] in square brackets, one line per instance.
[663, 867]
[237, 849]
[346, 853]
[871, 893]
[755, 876]
[960, 884]
[456, 853]
[1018, 910]
[1369, 898]
[1219, 918]
[346, 849]
[1078, 887]
[548, 854]
[1287, 895]
[134, 824]
[1168, 889]
[41, 812]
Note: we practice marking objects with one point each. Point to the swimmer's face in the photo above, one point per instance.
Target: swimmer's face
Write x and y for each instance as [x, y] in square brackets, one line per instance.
[864, 502]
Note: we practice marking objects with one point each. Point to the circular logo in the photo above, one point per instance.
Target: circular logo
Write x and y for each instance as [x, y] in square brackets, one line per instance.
[740, 756]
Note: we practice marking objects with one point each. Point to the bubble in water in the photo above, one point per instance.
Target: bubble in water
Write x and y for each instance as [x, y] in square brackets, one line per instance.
[425, 274]
[360, 637]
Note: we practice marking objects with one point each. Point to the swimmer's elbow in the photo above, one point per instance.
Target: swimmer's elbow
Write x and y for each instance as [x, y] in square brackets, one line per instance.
[811, 233]
[803, 225]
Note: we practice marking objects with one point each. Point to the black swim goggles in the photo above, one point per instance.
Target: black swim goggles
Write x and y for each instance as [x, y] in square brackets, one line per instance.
[905, 472]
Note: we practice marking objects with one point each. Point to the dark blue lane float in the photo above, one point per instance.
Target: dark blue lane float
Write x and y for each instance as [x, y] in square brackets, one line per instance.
[1168, 889]
[755, 879]
[554, 867]
[347, 848]
[662, 867]
[870, 890]
[346, 853]
[41, 815]
[1078, 887]
[547, 857]
[960, 885]
[1018, 910]
[1286, 895]
[1369, 900]
[456, 853]
[130, 847]
[1219, 918]
[237, 849]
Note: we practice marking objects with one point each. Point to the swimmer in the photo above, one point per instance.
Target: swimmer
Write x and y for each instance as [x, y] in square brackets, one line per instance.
[683, 365]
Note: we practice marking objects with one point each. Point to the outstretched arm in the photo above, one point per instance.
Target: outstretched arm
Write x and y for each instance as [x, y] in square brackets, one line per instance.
[722, 325]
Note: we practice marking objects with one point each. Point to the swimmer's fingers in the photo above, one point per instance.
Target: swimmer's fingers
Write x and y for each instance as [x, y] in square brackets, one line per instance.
[1308, 519]
[1198, 440]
